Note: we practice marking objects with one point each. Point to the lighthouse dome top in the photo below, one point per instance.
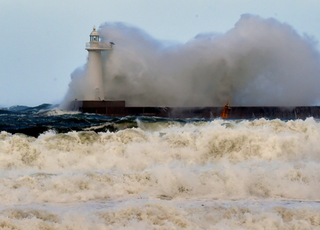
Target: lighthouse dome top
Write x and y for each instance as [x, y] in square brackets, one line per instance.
[94, 32]
[94, 36]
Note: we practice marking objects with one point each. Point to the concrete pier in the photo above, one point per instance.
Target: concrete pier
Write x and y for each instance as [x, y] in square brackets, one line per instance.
[119, 109]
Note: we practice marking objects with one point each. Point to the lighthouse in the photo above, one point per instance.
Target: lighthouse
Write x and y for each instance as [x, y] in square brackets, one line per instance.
[95, 90]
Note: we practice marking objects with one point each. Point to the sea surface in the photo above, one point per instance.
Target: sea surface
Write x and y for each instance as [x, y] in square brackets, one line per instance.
[67, 170]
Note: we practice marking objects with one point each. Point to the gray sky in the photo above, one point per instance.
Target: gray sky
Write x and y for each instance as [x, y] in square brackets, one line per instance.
[43, 42]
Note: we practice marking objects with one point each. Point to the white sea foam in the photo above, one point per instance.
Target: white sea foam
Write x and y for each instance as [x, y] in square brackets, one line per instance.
[160, 214]
[166, 175]
[56, 112]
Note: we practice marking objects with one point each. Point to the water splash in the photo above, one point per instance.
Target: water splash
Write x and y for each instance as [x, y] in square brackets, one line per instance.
[258, 62]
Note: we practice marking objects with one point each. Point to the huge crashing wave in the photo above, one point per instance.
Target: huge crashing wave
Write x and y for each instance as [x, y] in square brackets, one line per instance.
[258, 62]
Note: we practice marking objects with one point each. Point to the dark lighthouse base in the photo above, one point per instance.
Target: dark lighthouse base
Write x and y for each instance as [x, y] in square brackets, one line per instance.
[119, 109]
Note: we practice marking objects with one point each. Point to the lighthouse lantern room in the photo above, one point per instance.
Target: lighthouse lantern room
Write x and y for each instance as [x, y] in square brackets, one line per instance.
[94, 36]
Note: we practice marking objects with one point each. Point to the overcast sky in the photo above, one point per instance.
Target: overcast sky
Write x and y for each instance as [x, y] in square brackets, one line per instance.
[43, 41]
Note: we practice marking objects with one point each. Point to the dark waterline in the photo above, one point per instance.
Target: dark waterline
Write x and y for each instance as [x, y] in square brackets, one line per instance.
[33, 121]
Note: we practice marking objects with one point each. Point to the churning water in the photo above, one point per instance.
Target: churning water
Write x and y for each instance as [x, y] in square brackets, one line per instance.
[82, 171]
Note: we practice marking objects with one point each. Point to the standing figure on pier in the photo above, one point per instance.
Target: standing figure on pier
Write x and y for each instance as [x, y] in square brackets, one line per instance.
[225, 110]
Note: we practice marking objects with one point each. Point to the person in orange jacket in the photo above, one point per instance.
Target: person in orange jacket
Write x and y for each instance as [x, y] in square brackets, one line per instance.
[225, 110]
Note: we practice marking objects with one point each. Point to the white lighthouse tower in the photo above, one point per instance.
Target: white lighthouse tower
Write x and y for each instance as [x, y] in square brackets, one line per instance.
[94, 68]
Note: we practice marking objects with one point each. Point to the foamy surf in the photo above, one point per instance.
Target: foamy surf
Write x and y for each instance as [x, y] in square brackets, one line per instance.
[259, 174]
[159, 214]
[56, 112]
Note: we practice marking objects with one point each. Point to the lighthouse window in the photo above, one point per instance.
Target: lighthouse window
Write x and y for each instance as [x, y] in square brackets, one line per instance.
[95, 38]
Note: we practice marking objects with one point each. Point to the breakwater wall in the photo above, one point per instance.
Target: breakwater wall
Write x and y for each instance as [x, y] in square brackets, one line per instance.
[119, 109]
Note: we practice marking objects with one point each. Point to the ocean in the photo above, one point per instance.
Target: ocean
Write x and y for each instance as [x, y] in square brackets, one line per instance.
[67, 170]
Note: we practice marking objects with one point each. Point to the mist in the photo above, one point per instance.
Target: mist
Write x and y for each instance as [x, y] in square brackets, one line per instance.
[257, 62]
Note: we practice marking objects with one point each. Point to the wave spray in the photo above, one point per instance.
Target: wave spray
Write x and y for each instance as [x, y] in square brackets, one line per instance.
[258, 62]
